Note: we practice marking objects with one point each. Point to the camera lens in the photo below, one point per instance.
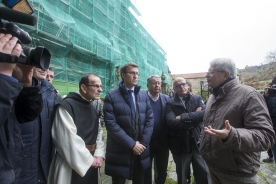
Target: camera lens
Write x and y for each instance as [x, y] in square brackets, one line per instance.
[39, 57]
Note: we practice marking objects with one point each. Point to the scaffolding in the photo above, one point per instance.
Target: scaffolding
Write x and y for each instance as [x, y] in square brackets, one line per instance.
[94, 36]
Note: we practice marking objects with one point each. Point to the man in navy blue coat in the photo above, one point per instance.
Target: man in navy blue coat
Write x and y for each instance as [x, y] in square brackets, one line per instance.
[36, 136]
[184, 115]
[129, 122]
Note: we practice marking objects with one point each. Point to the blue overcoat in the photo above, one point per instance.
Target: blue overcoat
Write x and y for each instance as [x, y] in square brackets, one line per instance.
[121, 131]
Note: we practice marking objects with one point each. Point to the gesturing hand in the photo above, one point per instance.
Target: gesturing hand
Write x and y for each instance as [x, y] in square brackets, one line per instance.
[138, 149]
[221, 134]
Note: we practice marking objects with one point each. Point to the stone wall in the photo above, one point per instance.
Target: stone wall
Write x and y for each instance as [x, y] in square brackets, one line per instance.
[196, 84]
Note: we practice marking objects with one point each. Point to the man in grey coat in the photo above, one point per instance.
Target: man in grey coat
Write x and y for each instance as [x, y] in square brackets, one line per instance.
[237, 126]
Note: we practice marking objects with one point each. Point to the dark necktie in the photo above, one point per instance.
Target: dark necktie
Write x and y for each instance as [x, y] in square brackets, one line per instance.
[131, 101]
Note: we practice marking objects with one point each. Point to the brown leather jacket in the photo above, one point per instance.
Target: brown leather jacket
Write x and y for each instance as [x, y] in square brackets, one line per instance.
[251, 131]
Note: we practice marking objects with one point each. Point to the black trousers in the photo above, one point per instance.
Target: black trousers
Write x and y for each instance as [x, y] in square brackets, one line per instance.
[269, 152]
[160, 154]
[137, 176]
[91, 177]
[200, 169]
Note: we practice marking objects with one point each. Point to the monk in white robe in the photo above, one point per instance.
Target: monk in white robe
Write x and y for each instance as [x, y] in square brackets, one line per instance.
[77, 136]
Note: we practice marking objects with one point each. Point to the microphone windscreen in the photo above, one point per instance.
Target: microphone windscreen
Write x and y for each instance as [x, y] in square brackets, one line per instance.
[16, 16]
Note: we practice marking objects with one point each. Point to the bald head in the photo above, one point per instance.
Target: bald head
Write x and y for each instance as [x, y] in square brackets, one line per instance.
[177, 79]
[180, 87]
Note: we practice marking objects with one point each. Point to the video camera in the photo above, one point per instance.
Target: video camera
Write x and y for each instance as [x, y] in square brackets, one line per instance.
[39, 56]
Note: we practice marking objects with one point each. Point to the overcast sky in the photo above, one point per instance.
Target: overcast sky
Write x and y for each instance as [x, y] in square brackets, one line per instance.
[193, 32]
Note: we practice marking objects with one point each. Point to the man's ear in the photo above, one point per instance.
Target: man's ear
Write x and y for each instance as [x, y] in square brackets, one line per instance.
[226, 75]
[174, 89]
[83, 88]
[123, 75]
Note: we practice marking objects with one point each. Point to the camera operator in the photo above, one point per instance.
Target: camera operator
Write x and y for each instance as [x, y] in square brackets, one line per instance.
[20, 102]
[270, 98]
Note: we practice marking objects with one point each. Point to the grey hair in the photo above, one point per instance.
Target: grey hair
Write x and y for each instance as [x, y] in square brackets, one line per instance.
[225, 64]
[151, 77]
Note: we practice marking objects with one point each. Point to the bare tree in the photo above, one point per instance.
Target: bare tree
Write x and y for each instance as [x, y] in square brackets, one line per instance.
[271, 57]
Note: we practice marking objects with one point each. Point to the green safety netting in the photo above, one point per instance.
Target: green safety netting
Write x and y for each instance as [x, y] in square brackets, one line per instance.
[97, 36]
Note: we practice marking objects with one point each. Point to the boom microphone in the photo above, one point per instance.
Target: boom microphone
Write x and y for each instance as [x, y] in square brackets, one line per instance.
[16, 16]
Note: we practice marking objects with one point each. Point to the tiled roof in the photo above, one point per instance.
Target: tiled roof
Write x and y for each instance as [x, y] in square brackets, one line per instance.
[191, 75]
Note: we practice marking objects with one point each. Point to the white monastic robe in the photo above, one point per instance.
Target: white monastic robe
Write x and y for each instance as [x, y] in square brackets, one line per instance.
[71, 152]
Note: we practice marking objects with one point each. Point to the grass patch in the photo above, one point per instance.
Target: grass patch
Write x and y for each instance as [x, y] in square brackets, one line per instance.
[172, 181]
[260, 174]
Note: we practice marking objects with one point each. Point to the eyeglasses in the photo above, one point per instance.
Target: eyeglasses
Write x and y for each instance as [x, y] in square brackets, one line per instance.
[210, 72]
[180, 85]
[94, 85]
[133, 73]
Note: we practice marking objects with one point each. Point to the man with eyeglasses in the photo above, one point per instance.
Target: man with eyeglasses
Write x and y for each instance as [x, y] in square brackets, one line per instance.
[159, 150]
[78, 136]
[184, 115]
[36, 135]
[237, 126]
[129, 124]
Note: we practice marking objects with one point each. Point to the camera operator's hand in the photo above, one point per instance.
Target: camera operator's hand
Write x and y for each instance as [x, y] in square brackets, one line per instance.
[8, 45]
[23, 73]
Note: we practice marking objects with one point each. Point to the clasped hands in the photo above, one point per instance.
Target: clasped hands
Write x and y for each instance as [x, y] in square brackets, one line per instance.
[138, 149]
[98, 162]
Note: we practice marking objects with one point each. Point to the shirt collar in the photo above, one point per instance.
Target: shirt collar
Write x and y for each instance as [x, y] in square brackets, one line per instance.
[128, 88]
[151, 97]
[78, 92]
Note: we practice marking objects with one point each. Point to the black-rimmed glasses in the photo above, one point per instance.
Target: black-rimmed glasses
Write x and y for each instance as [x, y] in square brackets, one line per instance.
[180, 85]
[94, 85]
[210, 72]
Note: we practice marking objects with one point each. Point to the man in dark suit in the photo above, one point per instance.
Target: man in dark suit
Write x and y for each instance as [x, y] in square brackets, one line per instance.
[159, 140]
[184, 115]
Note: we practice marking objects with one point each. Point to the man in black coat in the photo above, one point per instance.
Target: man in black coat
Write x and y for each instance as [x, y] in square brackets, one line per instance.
[184, 115]
[159, 140]
[270, 99]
